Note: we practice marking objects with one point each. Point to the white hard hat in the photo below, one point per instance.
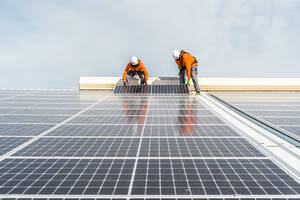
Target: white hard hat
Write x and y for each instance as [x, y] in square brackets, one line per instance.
[133, 60]
[176, 54]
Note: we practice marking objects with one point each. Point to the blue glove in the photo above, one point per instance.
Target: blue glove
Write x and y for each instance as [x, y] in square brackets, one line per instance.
[189, 82]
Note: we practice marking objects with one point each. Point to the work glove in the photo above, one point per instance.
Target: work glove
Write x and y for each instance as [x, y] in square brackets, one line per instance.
[188, 82]
[124, 83]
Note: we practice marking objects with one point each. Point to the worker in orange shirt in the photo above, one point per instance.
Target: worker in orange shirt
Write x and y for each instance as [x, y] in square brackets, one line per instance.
[135, 67]
[187, 65]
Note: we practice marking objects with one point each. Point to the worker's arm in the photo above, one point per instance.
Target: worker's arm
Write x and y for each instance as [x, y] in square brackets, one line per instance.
[187, 63]
[125, 72]
[145, 71]
[178, 64]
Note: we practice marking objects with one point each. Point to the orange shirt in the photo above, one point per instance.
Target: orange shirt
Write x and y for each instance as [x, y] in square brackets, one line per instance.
[140, 68]
[188, 61]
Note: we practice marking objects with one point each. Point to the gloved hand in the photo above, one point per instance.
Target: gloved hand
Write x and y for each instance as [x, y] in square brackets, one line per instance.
[124, 83]
[188, 82]
[179, 69]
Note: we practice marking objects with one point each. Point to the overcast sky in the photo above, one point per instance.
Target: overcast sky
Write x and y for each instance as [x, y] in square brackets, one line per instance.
[50, 44]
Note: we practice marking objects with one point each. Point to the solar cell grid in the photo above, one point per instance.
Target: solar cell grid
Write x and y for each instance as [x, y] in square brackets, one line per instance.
[293, 129]
[7, 110]
[23, 129]
[61, 105]
[152, 89]
[31, 119]
[46, 111]
[144, 111]
[197, 147]
[130, 119]
[189, 119]
[283, 121]
[115, 112]
[189, 130]
[9, 143]
[175, 107]
[81, 147]
[276, 113]
[269, 107]
[97, 130]
[211, 177]
[65, 176]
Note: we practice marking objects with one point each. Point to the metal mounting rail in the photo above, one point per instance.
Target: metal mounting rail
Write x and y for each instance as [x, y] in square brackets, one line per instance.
[286, 135]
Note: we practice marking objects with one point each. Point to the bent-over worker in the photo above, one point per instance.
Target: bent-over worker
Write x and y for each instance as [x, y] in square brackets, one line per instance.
[135, 67]
[187, 65]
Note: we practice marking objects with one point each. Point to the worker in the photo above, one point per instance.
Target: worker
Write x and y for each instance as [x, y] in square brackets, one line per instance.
[187, 65]
[135, 67]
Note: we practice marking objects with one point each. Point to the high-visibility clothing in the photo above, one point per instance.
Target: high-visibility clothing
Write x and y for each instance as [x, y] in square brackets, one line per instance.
[186, 61]
[139, 68]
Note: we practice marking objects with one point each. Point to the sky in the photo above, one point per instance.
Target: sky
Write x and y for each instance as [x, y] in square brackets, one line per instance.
[50, 44]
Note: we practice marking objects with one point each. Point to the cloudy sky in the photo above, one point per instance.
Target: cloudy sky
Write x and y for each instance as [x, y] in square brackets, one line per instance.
[50, 44]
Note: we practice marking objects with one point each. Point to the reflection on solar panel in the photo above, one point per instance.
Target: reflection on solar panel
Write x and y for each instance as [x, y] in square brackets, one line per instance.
[152, 89]
[154, 145]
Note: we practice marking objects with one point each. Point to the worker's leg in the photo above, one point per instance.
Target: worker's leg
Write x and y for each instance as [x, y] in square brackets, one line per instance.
[129, 77]
[142, 77]
[194, 74]
[182, 76]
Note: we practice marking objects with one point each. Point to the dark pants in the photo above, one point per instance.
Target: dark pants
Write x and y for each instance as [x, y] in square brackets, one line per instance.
[131, 74]
[194, 76]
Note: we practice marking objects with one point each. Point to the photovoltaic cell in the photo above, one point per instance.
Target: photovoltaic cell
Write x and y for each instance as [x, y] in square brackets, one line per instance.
[97, 130]
[211, 177]
[189, 119]
[23, 129]
[189, 130]
[293, 129]
[9, 143]
[81, 147]
[132, 119]
[47, 111]
[31, 119]
[197, 147]
[65, 176]
[152, 89]
[279, 109]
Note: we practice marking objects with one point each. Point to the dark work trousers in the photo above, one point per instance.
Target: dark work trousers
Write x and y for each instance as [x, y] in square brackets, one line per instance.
[194, 76]
[131, 74]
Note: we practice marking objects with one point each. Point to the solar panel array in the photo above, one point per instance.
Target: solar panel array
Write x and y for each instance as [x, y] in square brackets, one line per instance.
[152, 89]
[75, 145]
[280, 109]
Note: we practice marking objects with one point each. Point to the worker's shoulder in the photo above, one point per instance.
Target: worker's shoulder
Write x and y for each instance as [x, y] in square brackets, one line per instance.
[187, 55]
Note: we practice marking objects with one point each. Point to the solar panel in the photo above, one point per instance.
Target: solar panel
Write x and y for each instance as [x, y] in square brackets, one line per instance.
[197, 147]
[23, 129]
[152, 89]
[164, 144]
[189, 130]
[97, 130]
[65, 176]
[9, 143]
[279, 109]
[81, 147]
[211, 177]
[21, 118]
